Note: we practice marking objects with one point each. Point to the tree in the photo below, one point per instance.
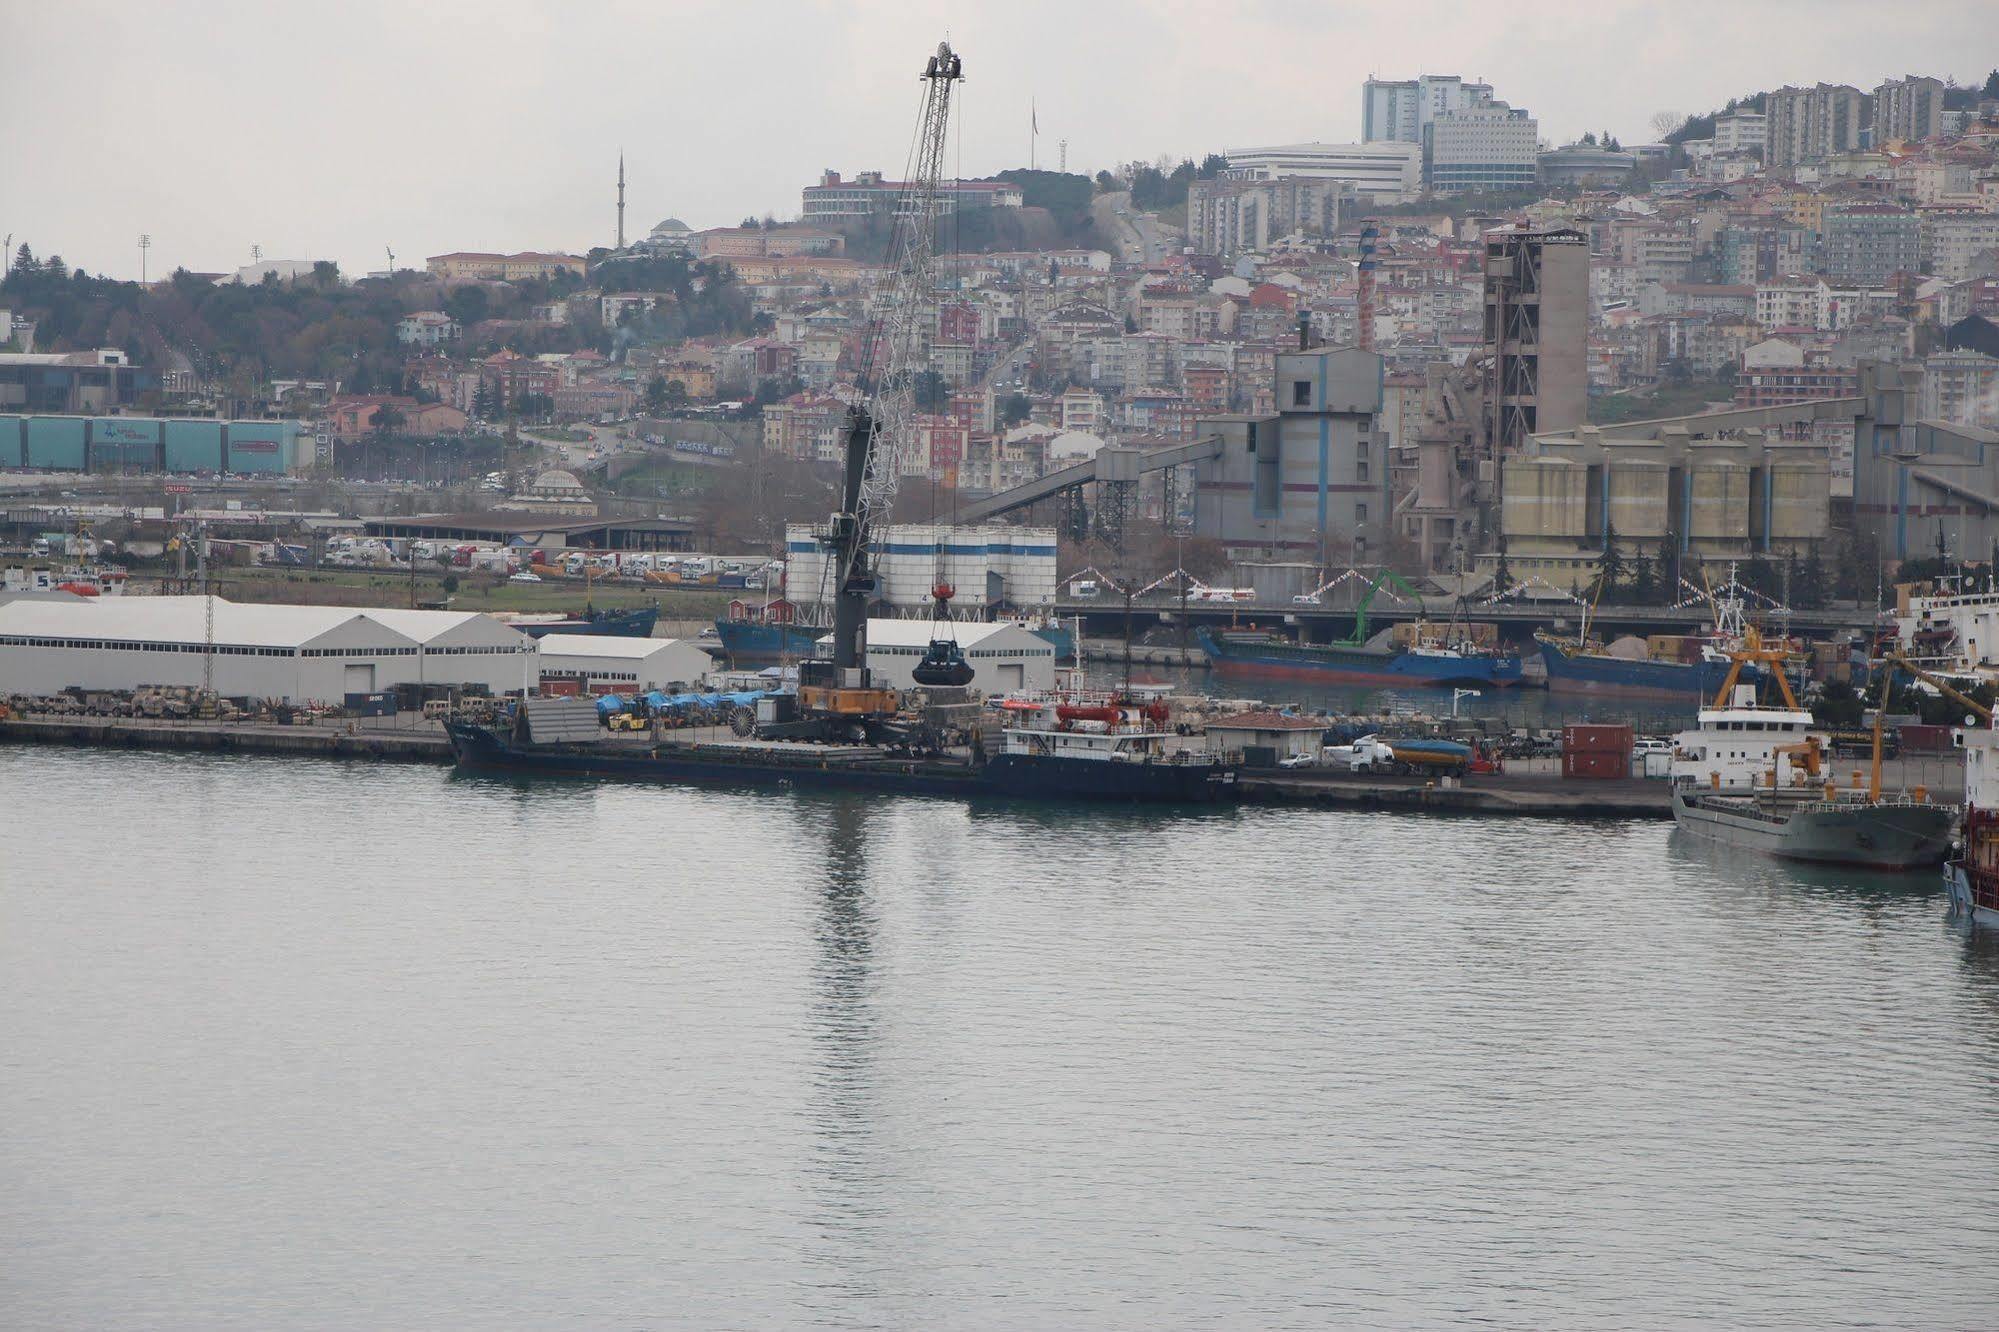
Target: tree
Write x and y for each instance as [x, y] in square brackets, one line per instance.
[932, 391]
[1015, 408]
[1665, 122]
[1644, 579]
[676, 393]
[325, 274]
[534, 406]
[1808, 583]
[55, 267]
[656, 395]
[1759, 575]
[1611, 567]
[1502, 572]
[469, 305]
[1589, 137]
[24, 260]
[485, 403]
[1991, 88]
[389, 421]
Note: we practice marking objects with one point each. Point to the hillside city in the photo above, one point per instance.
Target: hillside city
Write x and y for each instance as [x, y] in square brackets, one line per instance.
[1804, 244]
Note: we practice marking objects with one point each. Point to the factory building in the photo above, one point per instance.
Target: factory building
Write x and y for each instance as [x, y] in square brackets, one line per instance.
[603, 664]
[1732, 495]
[1537, 325]
[1313, 476]
[1003, 656]
[283, 653]
[152, 444]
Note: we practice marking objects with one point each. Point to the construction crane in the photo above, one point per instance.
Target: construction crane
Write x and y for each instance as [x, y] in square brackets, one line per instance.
[838, 692]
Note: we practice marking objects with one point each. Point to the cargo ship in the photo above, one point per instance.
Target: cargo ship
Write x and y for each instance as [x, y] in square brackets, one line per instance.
[1689, 670]
[1063, 752]
[637, 623]
[1378, 662]
[1574, 667]
[1754, 776]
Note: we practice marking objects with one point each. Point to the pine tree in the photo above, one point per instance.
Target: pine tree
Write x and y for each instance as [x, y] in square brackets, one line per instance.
[1610, 566]
[1644, 579]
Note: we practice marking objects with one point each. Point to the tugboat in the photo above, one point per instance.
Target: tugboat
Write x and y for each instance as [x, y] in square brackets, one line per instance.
[1754, 776]
[1111, 749]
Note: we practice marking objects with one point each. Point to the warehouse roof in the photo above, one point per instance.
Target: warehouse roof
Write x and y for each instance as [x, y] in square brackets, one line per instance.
[606, 645]
[185, 620]
[176, 620]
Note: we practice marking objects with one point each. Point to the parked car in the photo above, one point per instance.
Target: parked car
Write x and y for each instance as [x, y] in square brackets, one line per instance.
[1297, 761]
[1306, 599]
[524, 577]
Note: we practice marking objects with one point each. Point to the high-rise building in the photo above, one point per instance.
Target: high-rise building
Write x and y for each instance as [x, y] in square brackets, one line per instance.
[1486, 147]
[1398, 109]
[1537, 332]
[1228, 216]
[1867, 244]
[1909, 109]
[1811, 124]
[1741, 131]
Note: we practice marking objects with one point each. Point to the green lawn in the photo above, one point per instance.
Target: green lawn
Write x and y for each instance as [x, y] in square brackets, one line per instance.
[665, 478]
[1670, 400]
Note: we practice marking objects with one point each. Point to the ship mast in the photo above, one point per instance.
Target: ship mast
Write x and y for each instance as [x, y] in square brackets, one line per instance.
[879, 431]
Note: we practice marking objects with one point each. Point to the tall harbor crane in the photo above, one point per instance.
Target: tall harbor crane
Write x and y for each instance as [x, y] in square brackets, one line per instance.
[879, 430]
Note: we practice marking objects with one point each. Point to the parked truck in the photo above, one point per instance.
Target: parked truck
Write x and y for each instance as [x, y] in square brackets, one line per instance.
[1371, 753]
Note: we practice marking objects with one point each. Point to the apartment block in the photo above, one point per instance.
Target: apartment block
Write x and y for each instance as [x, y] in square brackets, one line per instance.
[1909, 109]
[1812, 124]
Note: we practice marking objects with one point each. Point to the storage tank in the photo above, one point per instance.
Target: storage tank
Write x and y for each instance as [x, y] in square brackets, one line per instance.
[1799, 500]
[1638, 493]
[1545, 497]
[1720, 507]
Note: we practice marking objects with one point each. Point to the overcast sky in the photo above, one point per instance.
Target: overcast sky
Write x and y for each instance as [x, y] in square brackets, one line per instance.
[335, 128]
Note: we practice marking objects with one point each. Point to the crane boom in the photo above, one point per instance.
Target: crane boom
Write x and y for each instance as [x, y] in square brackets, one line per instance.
[879, 432]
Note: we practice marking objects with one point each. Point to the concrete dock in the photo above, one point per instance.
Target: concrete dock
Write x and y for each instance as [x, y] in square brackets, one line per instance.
[424, 744]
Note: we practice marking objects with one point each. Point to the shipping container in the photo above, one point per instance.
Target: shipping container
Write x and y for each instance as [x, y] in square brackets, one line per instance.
[1596, 765]
[1584, 738]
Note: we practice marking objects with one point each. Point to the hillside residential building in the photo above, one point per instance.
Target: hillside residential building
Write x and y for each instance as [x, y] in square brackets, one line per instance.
[1743, 131]
[1908, 109]
[1870, 243]
[1226, 216]
[426, 328]
[1811, 124]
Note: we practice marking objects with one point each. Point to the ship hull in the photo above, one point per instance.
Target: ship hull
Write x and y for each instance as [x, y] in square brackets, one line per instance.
[1327, 665]
[1041, 777]
[615, 624]
[1615, 677]
[1866, 836]
[1964, 903]
[481, 749]
[745, 644]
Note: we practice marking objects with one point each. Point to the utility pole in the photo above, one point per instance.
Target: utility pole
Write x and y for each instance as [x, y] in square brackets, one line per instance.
[392, 261]
[145, 244]
[621, 201]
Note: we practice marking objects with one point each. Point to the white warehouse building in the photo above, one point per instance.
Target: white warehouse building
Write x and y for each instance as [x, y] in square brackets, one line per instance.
[606, 664]
[1003, 656]
[279, 652]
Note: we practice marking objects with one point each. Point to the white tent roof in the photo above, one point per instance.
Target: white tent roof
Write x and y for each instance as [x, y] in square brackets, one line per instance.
[918, 633]
[177, 620]
[603, 645]
[427, 626]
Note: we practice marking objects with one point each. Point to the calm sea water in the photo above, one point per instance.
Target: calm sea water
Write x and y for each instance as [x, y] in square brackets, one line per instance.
[311, 1045]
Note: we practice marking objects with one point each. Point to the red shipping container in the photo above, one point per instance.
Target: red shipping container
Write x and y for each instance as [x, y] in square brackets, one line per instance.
[1597, 767]
[1917, 737]
[561, 688]
[1586, 739]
